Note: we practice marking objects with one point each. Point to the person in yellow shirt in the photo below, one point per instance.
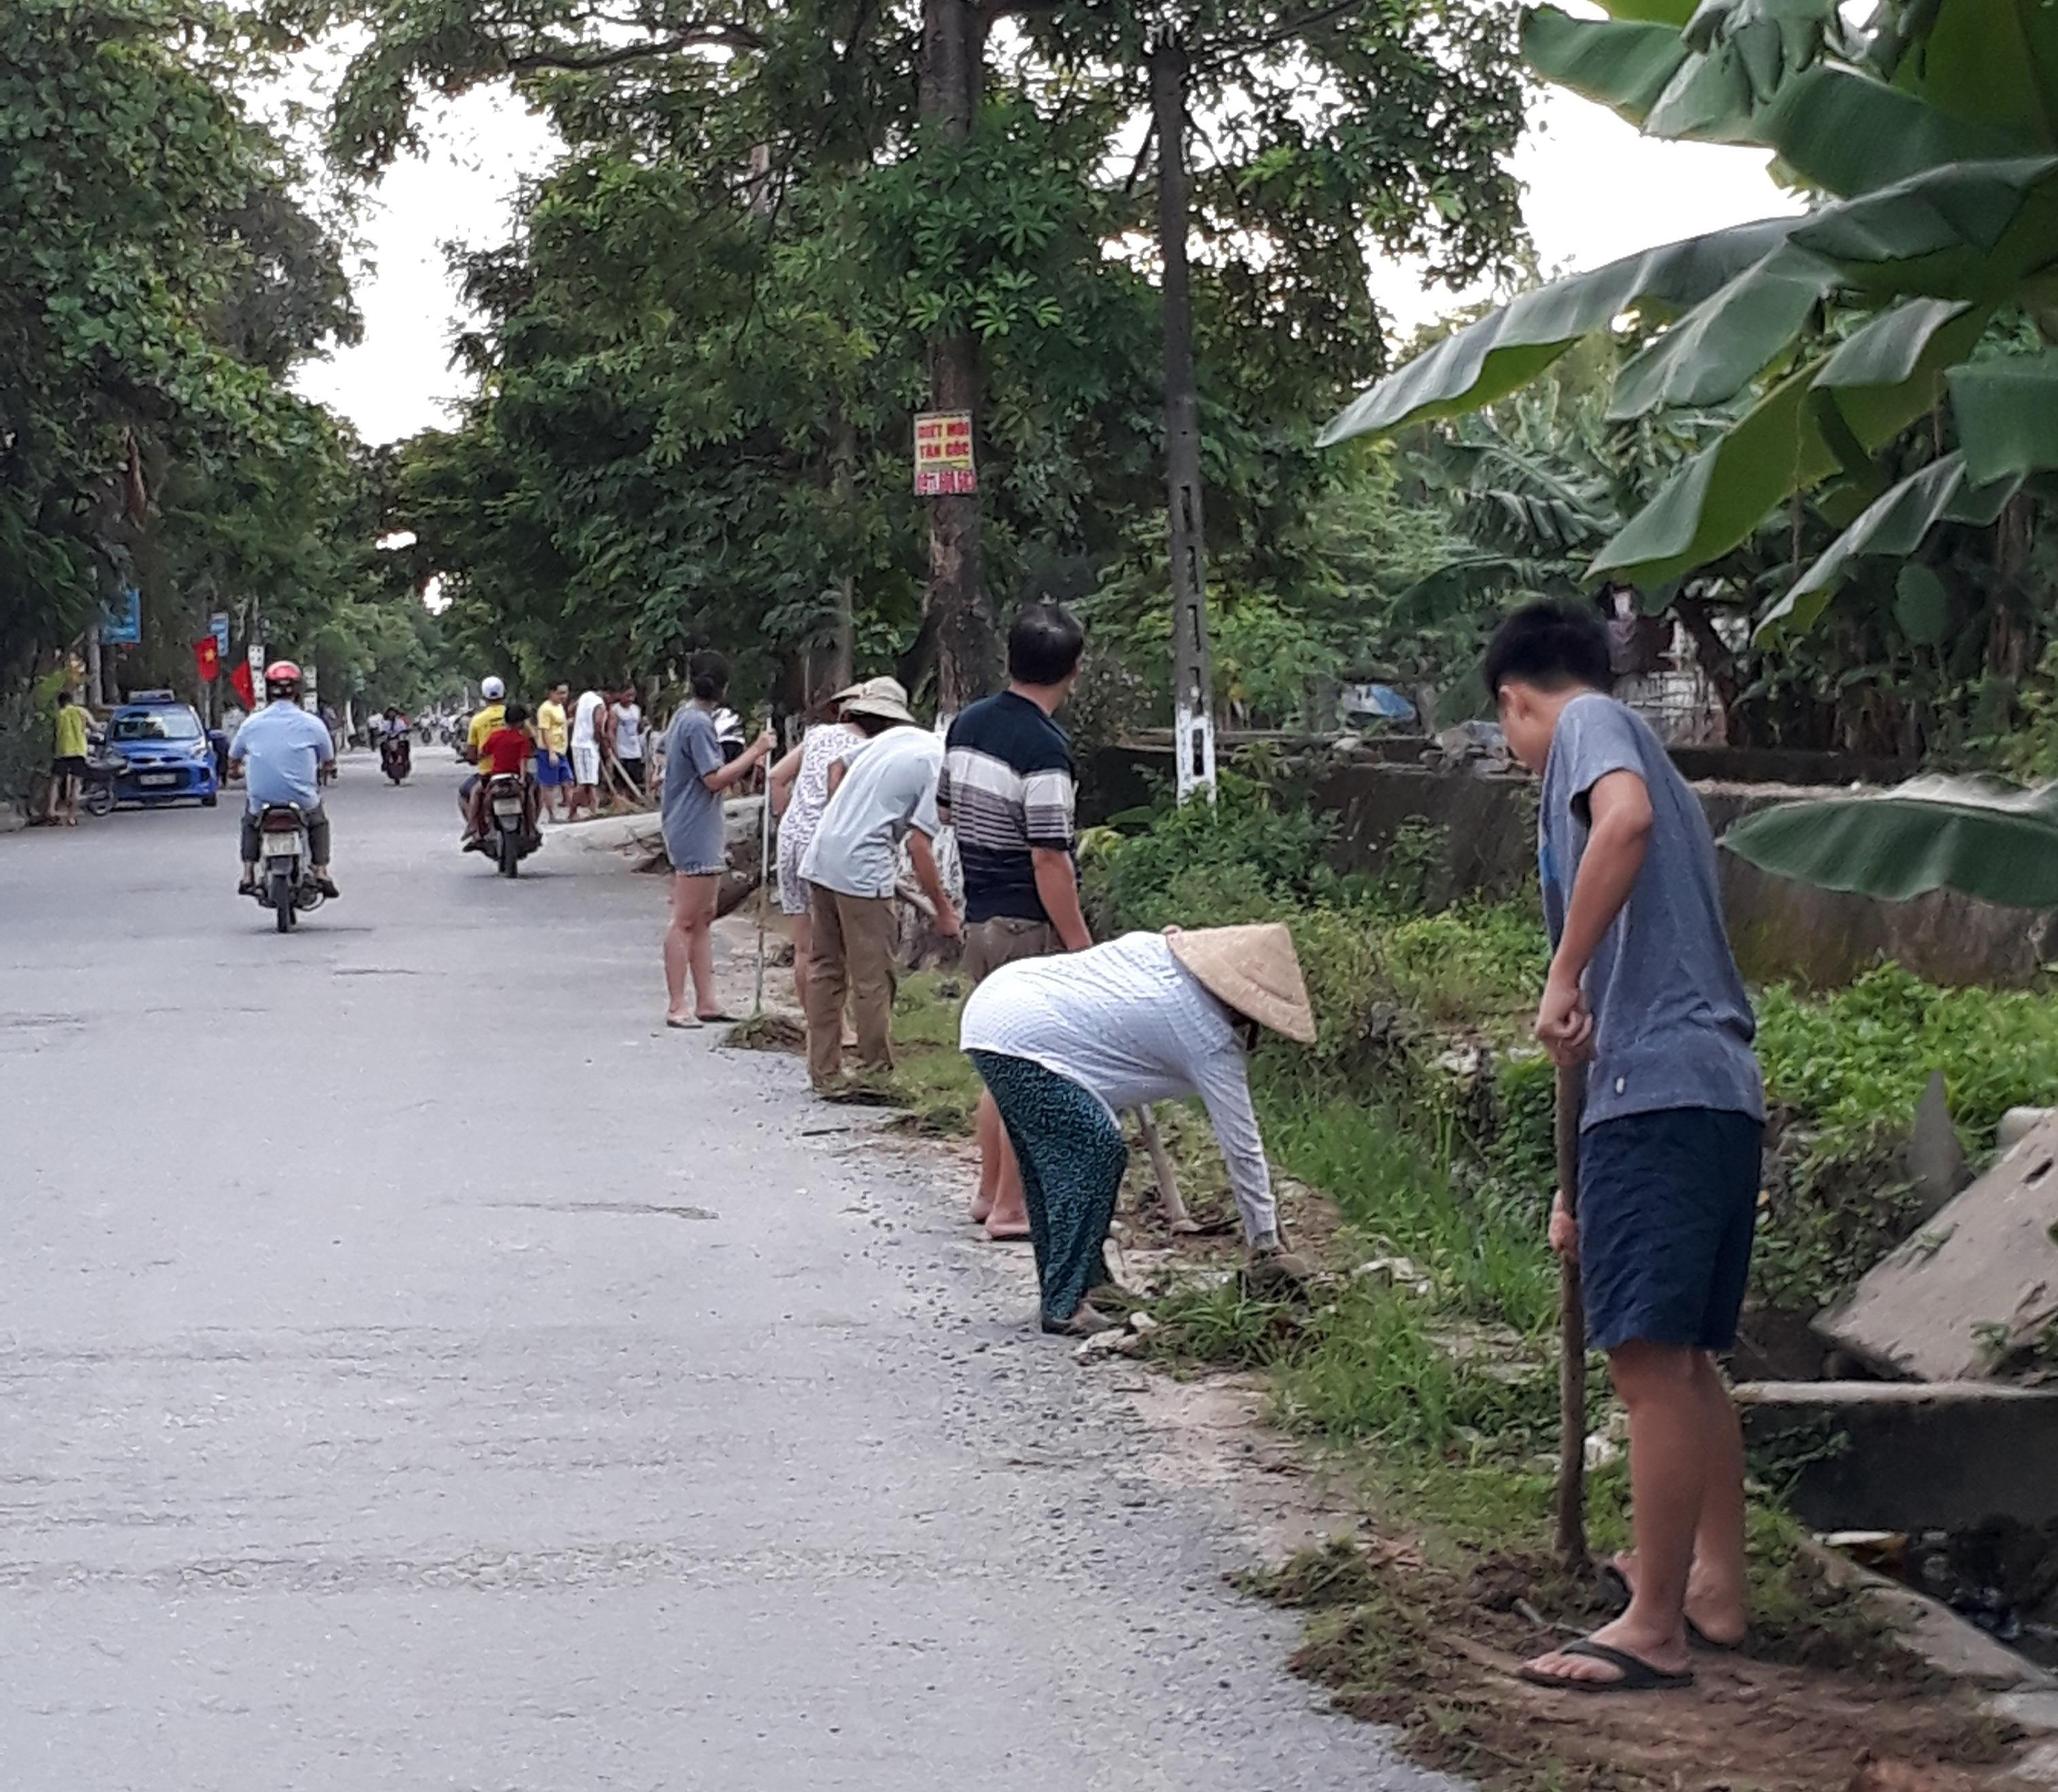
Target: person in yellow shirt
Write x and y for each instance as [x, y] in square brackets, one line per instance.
[553, 770]
[492, 711]
[68, 741]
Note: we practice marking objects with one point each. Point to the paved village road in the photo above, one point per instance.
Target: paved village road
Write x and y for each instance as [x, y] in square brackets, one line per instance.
[419, 1369]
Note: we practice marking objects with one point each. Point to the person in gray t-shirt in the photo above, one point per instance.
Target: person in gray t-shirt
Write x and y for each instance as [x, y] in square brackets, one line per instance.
[696, 778]
[1642, 990]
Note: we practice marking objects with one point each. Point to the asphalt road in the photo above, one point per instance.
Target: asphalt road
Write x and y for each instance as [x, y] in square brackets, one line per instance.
[419, 1369]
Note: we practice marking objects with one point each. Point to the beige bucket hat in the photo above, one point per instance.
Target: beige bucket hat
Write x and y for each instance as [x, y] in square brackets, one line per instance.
[886, 697]
[1253, 970]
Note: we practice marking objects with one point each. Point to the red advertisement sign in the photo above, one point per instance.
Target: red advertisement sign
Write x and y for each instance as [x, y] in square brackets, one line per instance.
[942, 455]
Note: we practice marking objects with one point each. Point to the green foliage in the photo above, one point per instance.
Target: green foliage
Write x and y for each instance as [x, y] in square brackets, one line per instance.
[1974, 836]
[700, 352]
[159, 279]
[1824, 336]
[1244, 857]
[1859, 1058]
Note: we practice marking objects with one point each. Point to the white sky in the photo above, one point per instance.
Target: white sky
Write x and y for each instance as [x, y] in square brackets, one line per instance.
[1596, 190]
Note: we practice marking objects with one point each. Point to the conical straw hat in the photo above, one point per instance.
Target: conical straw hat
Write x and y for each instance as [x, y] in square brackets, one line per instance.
[1253, 970]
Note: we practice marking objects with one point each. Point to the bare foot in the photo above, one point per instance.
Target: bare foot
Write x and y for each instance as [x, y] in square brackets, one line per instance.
[982, 1207]
[1003, 1227]
[1719, 1621]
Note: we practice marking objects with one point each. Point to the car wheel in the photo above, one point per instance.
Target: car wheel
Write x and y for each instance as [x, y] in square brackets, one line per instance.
[208, 802]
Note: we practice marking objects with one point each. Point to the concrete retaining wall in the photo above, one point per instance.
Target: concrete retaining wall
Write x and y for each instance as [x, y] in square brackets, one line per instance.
[1781, 929]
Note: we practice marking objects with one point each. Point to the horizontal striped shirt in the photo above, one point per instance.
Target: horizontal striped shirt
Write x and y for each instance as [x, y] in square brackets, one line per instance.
[1007, 786]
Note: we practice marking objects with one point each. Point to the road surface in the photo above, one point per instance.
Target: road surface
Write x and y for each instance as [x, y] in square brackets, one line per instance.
[419, 1369]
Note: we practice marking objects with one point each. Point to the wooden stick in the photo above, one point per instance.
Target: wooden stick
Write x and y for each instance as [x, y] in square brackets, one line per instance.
[763, 887]
[1571, 1500]
[1160, 1167]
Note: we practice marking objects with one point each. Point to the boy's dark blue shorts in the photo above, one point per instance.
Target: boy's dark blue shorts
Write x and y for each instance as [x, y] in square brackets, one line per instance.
[1668, 1201]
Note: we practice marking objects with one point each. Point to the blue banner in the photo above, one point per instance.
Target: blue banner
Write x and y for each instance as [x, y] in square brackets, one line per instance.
[122, 619]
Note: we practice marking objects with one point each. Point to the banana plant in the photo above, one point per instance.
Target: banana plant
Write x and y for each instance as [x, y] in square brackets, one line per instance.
[1928, 142]
[1978, 837]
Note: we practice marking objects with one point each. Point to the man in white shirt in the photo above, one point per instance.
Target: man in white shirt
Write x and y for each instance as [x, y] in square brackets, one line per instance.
[587, 727]
[886, 794]
[627, 717]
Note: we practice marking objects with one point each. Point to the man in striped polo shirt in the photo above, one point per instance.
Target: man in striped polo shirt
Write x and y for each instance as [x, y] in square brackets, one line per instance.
[1007, 792]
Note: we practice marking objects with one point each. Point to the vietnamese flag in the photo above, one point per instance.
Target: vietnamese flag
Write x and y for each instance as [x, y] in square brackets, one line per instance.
[239, 679]
[207, 658]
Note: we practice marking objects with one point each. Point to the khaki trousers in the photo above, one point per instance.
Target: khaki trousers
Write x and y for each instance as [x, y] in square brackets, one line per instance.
[854, 961]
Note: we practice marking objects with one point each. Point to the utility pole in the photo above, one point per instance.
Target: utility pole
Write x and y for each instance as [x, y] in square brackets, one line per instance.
[960, 619]
[1193, 677]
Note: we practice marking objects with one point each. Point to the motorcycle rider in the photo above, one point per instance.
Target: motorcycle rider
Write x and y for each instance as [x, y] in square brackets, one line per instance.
[282, 748]
[492, 711]
[395, 739]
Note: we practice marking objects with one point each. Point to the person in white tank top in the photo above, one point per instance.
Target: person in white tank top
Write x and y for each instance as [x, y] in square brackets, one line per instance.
[629, 736]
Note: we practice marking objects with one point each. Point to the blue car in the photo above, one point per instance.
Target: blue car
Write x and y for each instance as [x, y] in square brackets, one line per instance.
[163, 754]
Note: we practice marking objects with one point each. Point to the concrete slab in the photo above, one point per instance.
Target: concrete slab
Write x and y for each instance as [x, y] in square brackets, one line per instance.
[1910, 1456]
[1975, 1286]
[2036, 1712]
[1937, 1634]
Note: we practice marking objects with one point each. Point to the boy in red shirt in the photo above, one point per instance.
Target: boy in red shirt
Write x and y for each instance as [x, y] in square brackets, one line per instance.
[506, 753]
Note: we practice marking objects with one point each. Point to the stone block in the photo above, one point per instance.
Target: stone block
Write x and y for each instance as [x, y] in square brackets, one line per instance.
[1978, 1284]
[1913, 1457]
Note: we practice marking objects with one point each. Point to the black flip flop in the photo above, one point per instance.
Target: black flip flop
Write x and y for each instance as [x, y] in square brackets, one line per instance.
[1636, 1674]
[1615, 1584]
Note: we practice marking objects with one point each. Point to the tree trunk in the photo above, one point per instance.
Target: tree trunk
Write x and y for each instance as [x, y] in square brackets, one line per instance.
[968, 654]
[1715, 658]
[843, 636]
[1192, 678]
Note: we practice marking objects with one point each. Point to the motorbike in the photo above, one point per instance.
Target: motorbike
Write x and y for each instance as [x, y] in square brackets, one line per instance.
[284, 884]
[396, 757]
[96, 789]
[508, 840]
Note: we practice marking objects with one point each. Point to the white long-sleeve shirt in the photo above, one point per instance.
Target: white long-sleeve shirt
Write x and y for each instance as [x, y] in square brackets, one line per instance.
[1131, 1025]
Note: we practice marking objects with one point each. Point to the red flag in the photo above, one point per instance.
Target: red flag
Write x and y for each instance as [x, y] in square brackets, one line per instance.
[239, 677]
[207, 658]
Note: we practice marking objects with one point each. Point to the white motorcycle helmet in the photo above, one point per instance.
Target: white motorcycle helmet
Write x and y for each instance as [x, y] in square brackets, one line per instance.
[492, 690]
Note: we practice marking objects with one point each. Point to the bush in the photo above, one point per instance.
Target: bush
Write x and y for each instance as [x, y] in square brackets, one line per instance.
[1240, 858]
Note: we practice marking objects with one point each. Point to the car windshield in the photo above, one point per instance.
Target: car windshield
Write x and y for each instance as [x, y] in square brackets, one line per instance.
[157, 725]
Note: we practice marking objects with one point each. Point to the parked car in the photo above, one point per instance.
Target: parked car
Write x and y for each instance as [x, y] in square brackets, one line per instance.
[164, 755]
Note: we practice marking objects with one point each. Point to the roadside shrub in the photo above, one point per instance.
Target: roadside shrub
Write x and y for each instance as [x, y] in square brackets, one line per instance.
[1240, 858]
[1856, 1059]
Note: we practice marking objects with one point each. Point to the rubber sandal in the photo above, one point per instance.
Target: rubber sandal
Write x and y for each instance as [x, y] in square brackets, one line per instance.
[684, 1026]
[1085, 1321]
[1636, 1674]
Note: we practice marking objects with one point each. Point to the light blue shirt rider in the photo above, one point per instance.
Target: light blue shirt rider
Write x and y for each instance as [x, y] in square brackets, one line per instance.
[279, 747]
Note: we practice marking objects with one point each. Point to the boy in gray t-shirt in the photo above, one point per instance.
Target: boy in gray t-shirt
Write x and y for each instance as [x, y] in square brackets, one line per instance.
[1644, 990]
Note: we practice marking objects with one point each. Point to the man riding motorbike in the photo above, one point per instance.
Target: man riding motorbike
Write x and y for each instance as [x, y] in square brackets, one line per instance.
[492, 711]
[396, 743]
[282, 748]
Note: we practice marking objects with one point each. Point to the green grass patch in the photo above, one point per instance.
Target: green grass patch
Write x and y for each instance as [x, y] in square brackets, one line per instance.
[939, 1087]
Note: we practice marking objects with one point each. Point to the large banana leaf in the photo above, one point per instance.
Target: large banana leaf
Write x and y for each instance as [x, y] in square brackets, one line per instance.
[2008, 415]
[1508, 347]
[1802, 432]
[1995, 60]
[1728, 339]
[1838, 131]
[1969, 230]
[1897, 525]
[1976, 836]
[1830, 126]
[1625, 64]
